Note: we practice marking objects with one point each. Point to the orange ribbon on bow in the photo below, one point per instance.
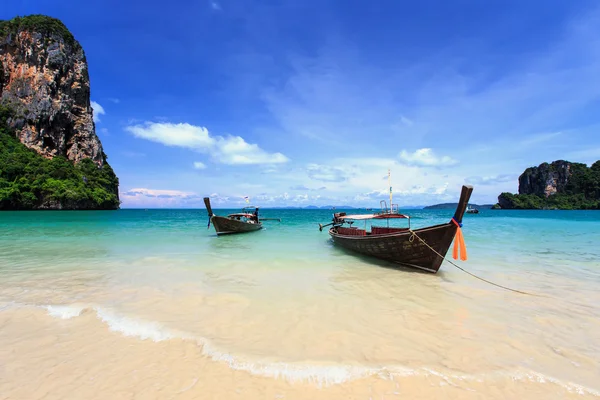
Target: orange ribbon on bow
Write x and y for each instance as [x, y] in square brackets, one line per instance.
[459, 241]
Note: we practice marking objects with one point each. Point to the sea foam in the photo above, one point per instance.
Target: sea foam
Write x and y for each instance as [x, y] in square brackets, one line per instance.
[137, 328]
[320, 375]
[64, 312]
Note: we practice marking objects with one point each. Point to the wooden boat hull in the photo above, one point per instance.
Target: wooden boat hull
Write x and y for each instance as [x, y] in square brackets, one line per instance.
[402, 248]
[227, 226]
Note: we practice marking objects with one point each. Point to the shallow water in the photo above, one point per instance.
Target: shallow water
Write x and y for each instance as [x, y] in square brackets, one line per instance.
[151, 304]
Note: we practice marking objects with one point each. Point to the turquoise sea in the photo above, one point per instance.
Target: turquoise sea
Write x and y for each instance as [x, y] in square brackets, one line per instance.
[288, 314]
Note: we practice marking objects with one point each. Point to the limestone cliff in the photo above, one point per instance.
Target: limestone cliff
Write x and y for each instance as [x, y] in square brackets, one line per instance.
[44, 79]
[50, 156]
[546, 179]
[557, 185]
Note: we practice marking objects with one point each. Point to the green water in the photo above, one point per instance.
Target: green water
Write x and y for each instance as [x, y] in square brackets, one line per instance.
[564, 241]
[552, 252]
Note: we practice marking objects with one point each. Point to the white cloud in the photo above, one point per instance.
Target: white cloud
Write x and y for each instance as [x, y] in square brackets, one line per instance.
[306, 188]
[114, 100]
[325, 173]
[143, 197]
[372, 195]
[199, 165]
[98, 110]
[231, 150]
[178, 135]
[363, 182]
[299, 187]
[435, 190]
[491, 180]
[426, 158]
[216, 198]
[301, 198]
[413, 184]
[234, 150]
[158, 193]
[215, 5]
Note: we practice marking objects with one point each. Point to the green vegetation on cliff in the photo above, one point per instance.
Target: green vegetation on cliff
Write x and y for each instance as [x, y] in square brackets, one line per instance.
[37, 23]
[558, 201]
[30, 181]
[581, 191]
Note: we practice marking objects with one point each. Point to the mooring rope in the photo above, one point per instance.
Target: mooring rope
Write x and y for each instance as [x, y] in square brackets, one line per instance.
[467, 272]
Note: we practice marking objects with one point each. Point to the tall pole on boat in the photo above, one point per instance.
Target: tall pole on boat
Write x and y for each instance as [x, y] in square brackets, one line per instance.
[390, 185]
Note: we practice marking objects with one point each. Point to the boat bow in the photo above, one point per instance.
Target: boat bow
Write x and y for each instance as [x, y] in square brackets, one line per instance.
[465, 196]
[208, 210]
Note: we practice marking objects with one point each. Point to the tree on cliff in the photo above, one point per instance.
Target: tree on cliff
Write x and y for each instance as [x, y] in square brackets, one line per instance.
[30, 181]
[38, 23]
[559, 185]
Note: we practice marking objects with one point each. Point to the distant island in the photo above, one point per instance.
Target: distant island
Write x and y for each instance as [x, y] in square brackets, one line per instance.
[560, 185]
[452, 206]
[50, 155]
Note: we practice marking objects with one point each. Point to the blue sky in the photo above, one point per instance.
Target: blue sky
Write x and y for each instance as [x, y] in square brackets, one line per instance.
[310, 102]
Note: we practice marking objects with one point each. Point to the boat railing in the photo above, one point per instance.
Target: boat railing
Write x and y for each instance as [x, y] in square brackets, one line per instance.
[395, 209]
[383, 204]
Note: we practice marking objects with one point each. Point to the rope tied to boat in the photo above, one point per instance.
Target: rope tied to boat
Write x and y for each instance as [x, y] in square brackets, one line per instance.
[414, 235]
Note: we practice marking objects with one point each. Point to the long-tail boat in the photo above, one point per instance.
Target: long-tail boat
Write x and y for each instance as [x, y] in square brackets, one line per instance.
[472, 210]
[245, 221]
[423, 248]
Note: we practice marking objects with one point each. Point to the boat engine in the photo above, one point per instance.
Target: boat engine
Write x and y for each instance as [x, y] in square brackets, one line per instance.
[337, 219]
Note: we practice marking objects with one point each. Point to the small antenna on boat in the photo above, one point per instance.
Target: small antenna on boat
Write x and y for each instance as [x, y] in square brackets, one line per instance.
[390, 185]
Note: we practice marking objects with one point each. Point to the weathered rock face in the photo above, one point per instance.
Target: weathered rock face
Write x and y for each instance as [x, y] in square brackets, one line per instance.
[559, 185]
[546, 179]
[505, 201]
[44, 79]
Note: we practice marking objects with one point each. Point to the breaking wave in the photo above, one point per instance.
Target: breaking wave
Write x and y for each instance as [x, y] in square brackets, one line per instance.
[321, 375]
[64, 312]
